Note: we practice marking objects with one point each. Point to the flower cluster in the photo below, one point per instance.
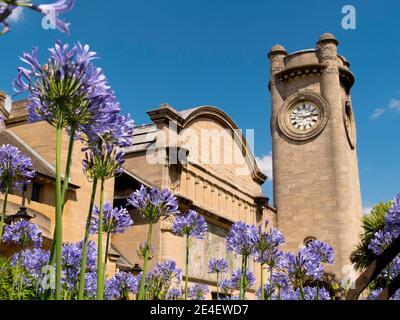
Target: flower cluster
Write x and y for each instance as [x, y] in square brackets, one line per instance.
[266, 247]
[159, 281]
[32, 261]
[121, 286]
[381, 240]
[198, 291]
[15, 167]
[249, 279]
[241, 238]
[115, 220]
[71, 262]
[392, 218]
[191, 224]
[23, 233]
[153, 204]
[303, 265]
[174, 294]
[217, 265]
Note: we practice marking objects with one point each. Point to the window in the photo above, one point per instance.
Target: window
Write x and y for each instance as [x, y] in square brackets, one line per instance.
[35, 195]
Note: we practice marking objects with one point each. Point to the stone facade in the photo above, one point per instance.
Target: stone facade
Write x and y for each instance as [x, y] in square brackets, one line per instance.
[316, 182]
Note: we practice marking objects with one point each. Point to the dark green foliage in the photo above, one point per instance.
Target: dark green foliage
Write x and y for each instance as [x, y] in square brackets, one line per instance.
[371, 223]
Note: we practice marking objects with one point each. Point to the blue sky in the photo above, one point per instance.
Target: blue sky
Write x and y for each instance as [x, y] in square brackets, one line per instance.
[190, 53]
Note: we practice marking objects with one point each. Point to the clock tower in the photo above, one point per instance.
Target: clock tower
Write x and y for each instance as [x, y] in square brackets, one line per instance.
[316, 182]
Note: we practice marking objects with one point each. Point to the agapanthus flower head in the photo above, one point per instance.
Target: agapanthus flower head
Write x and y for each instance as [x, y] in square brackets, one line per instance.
[15, 167]
[303, 265]
[103, 163]
[153, 204]
[68, 89]
[167, 271]
[115, 220]
[217, 265]
[226, 286]
[71, 262]
[392, 218]
[121, 285]
[382, 239]
[174, 294]
[249, 279]
[32, 261]
[118, 130]
[60, 6]
[191, 224]
[91, 285]
[322, 250]
[312, 293]
[141, 251]
[23, 233]
[242, 238]
[280, 280]
[198, 291]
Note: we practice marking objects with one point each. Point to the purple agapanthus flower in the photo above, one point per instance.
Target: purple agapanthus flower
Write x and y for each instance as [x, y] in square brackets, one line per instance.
[198, 291]
[115, 220]
[303, 265]
[32, 261]
[381, 241]
[71, 262]
[392, 218]
[312, 293]
[103, 163]
[191, 224]
[121, 285]
[67, 87]
[23, 233]
[226, 286]
[15, 167]
[167, 271]
[321, 250]
[217, 265]
[249, 279]
[90, 285]
[242, 238]
[50, 10]
[153, 204]
[174, 294]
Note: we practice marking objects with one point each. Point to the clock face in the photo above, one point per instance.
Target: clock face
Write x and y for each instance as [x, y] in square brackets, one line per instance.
[304, 116]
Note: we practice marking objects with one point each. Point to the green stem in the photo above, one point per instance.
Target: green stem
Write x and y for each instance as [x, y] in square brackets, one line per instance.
[3, 214]
[86, 242]
[186, 265]
[270, 283]
[65, 184]
[242, 293]
[217, 287]
[145, 259]
[58, 233]
[100, 286]
[317, 289]
[262, 281]
[106, 257]
[301, 291]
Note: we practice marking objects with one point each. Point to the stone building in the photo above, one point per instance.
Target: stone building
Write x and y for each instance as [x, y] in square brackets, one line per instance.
[205, 160]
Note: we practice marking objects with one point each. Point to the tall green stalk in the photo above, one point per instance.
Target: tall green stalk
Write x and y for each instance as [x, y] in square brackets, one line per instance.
[270, 283]
[242, 293]
[58, 230]
[262, 281]
[186, 265]
[217, 286]
[145, 259]
[82, 273]
[3, 213]
[106, 257]
[100, 284]
[65, 184]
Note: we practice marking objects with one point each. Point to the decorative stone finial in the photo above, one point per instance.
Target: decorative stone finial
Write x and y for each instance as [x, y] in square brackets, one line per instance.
[277, 49]
[327, 37]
